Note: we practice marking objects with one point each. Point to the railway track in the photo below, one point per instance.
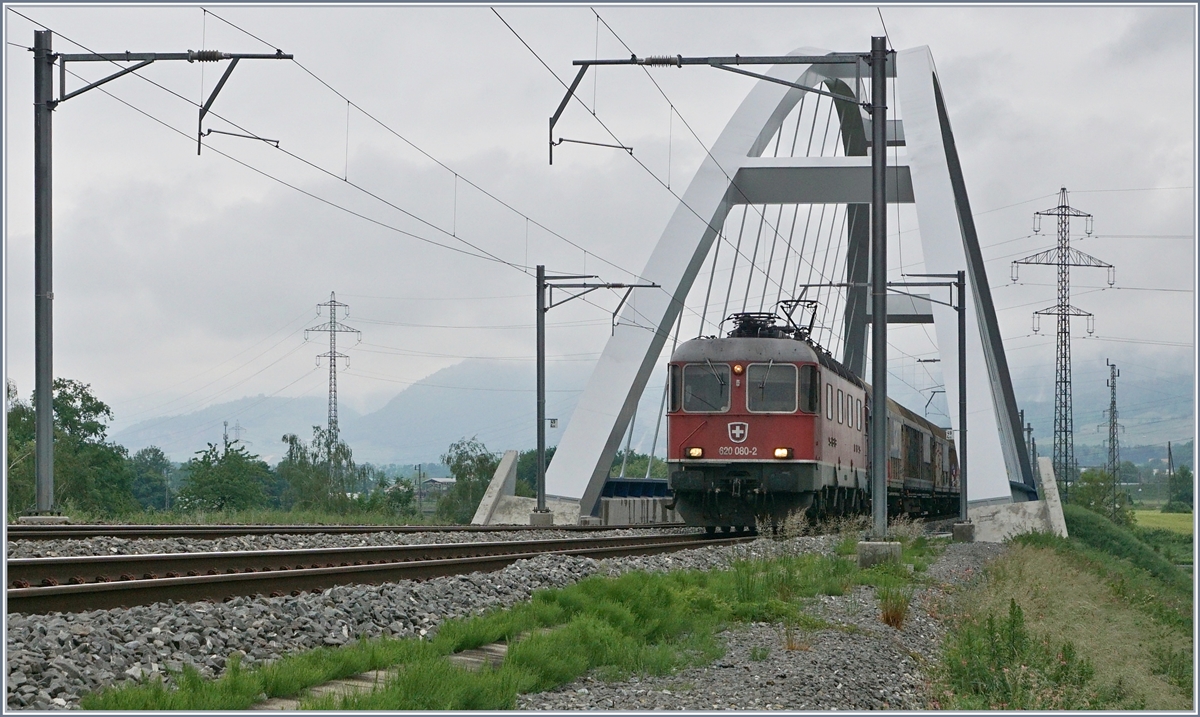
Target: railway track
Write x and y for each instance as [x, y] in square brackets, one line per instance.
[68, 532]
[77, 584]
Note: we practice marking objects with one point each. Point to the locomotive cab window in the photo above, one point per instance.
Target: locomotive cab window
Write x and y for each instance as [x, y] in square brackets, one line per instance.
[771, 387]
[706, 387]
[858, 413]
[810, 389]
[676, 387]
[829, 401]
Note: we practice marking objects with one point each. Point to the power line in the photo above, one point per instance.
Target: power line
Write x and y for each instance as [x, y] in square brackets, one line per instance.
[430, 157]
[707, 222]
[482, 253]
[686, 124]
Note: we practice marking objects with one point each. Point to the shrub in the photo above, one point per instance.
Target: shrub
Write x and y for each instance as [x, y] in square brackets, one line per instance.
[997, 664]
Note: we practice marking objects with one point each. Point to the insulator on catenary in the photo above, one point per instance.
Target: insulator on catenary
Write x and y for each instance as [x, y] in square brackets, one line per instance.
[665, 61]
[205, 55]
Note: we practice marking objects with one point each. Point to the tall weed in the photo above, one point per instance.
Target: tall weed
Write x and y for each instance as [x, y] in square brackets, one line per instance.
[997, 664]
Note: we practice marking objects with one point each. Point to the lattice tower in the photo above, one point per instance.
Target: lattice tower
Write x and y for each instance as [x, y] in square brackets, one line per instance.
[333, 327]
[1064, 257]
[1114, 445]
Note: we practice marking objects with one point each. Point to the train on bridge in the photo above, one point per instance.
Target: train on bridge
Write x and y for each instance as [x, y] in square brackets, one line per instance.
[763, 424]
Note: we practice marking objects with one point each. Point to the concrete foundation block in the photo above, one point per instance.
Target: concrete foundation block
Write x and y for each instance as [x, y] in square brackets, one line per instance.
[542, 520]
[503, 484]
[637, 511]
[589, 520]
[44, 520]
[964, 532]
[873, 553]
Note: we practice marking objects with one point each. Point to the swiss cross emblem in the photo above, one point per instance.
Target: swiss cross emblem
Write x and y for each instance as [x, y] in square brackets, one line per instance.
[738, 431]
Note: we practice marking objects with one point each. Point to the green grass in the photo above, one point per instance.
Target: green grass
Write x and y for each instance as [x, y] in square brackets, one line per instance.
[1097, 532]
[1099, 621]
[998, 664]
[638, 623]
[238, 688]
[1178, 522]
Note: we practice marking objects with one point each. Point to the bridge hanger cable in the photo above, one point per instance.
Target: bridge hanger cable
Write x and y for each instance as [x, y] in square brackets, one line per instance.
[762, 218]
[774, 234]
[733, 267]
[712, 272]
[682, 118]
[707, 151]
[795, 208]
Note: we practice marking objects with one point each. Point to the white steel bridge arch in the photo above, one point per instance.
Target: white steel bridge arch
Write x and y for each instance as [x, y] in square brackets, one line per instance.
[735, 172]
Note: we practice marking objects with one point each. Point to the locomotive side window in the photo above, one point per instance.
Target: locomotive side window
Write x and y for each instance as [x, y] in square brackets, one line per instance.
[829, 401]
[810, 389]
[839, 405]
[858, 413]
[676, 391]
[771, 387]
[706, 387]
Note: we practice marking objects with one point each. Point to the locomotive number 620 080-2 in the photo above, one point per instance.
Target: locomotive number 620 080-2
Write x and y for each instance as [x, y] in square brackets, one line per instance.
[737, 451]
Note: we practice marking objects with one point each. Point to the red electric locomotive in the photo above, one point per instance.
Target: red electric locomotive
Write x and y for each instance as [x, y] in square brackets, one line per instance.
[763, 424]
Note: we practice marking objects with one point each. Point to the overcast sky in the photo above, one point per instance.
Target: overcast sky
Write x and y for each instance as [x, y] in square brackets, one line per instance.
[183, 281]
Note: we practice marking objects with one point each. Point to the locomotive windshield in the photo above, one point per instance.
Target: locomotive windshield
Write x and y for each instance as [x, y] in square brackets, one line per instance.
[771, 387]
[706, 387]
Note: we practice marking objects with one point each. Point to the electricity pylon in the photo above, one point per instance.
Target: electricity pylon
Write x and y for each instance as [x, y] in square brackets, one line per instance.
[333, 327]
[1114, 444]
[1064, 257]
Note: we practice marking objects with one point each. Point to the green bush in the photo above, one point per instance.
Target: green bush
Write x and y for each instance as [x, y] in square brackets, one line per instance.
[997, 664]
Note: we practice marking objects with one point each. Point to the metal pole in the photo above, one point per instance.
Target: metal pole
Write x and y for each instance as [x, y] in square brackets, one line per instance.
[879, 432]
[43, 223]
[961, 283]
[541, 388]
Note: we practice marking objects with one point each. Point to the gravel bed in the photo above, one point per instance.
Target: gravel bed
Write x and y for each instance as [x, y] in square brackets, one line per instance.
[54, 659]
[861, 664]
[107, 545]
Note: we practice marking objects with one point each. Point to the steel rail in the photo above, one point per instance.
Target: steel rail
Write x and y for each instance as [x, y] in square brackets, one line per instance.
[67, 532]
[128, 593]
[47, 572]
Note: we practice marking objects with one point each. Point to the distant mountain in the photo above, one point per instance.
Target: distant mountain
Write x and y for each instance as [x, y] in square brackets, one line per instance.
[493, 401]
[259, 421]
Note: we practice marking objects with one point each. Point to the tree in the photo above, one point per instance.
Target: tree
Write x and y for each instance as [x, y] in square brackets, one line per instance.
[527, 471]
[224, 478]
[635, 466]
[1097, 491]
[151, 469]
[89, 472]
[322, 475]
[1181, 490]
[472, 466]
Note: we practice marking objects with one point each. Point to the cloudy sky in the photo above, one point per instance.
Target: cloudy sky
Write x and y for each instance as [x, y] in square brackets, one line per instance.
[184, 281]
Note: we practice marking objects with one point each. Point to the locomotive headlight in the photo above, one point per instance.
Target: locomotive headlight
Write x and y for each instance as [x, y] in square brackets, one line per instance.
[695, 452]
[737, 369]
[783, 452]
